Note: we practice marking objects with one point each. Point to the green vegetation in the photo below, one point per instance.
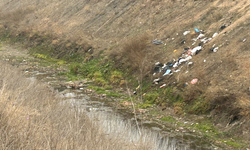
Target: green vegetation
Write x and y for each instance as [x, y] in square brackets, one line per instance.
[168, 119]
[104, 90]
[144, 105]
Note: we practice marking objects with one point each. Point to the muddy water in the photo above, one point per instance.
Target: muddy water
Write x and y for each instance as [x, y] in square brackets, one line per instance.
[111, 119]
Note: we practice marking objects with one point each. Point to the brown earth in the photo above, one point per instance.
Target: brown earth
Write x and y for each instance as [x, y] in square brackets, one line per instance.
[109, 26]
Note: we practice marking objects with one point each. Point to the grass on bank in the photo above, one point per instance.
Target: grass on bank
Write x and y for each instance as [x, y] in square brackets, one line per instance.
[33, 117]
[104, 74]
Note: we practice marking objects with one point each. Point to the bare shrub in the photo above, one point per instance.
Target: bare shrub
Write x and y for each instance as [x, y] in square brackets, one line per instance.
[136, 54]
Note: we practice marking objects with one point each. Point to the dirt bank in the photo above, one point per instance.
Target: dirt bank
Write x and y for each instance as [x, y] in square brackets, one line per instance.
[122, 31]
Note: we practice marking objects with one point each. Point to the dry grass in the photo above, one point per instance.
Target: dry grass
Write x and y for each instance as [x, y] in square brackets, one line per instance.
[133, 53]
[161, 19]
[33, 118]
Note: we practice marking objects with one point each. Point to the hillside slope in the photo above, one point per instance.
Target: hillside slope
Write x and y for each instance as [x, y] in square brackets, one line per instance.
[109, 26]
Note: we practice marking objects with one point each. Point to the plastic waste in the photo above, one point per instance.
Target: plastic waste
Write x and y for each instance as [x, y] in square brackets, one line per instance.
[244, 40]
[138, 87]
[194, 81]
[186, 32]
[214, 35]
[167, 72]
[163, 85]
[188, 58]
[200, 36]
[215, 49]
[175, 65]
[193, 51]
[158, 66]
[196, 30]
[157, 42]
[156, 81]
[177, 70]
[190, 63]
[223, 27]
[175, 51]
[194, 39]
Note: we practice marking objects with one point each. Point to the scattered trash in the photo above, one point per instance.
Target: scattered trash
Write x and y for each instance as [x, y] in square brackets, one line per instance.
[157, 42]
[190, 63]
[156, 81]
[175, 65]
[194, 81]
[200, 36]
[223, 27]
[214, 35]
[167, 72]
[135, 93]
[244, 40]
[185, 57]
[185, 84]
[196, 30]
[138, 87]
[163, 85]
[193, 51]
[177, 70]
[158, 66]
[215, 49]
[186, 32]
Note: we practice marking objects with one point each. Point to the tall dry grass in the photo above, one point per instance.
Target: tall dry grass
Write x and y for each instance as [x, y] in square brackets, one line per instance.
[32, 116]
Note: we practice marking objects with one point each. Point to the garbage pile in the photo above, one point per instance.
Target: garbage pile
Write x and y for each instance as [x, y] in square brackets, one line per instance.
[188, 53]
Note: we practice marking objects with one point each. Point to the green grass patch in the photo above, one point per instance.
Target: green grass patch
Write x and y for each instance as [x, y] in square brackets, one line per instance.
[233, 144]
[102, 90]
[199, 106]
[168, 119]
[151, 97]
[144, 105]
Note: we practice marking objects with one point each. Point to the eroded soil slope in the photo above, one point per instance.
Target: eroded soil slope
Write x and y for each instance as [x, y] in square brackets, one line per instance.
[107, 26]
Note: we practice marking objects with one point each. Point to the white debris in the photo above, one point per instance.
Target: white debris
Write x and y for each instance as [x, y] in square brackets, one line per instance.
[193, 51]
[214, 35]
[175, 65]
[215, 49]
[186, 32]
[200, 36]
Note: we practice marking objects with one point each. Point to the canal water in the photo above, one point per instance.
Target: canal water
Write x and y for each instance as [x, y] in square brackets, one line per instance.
[111, 120]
